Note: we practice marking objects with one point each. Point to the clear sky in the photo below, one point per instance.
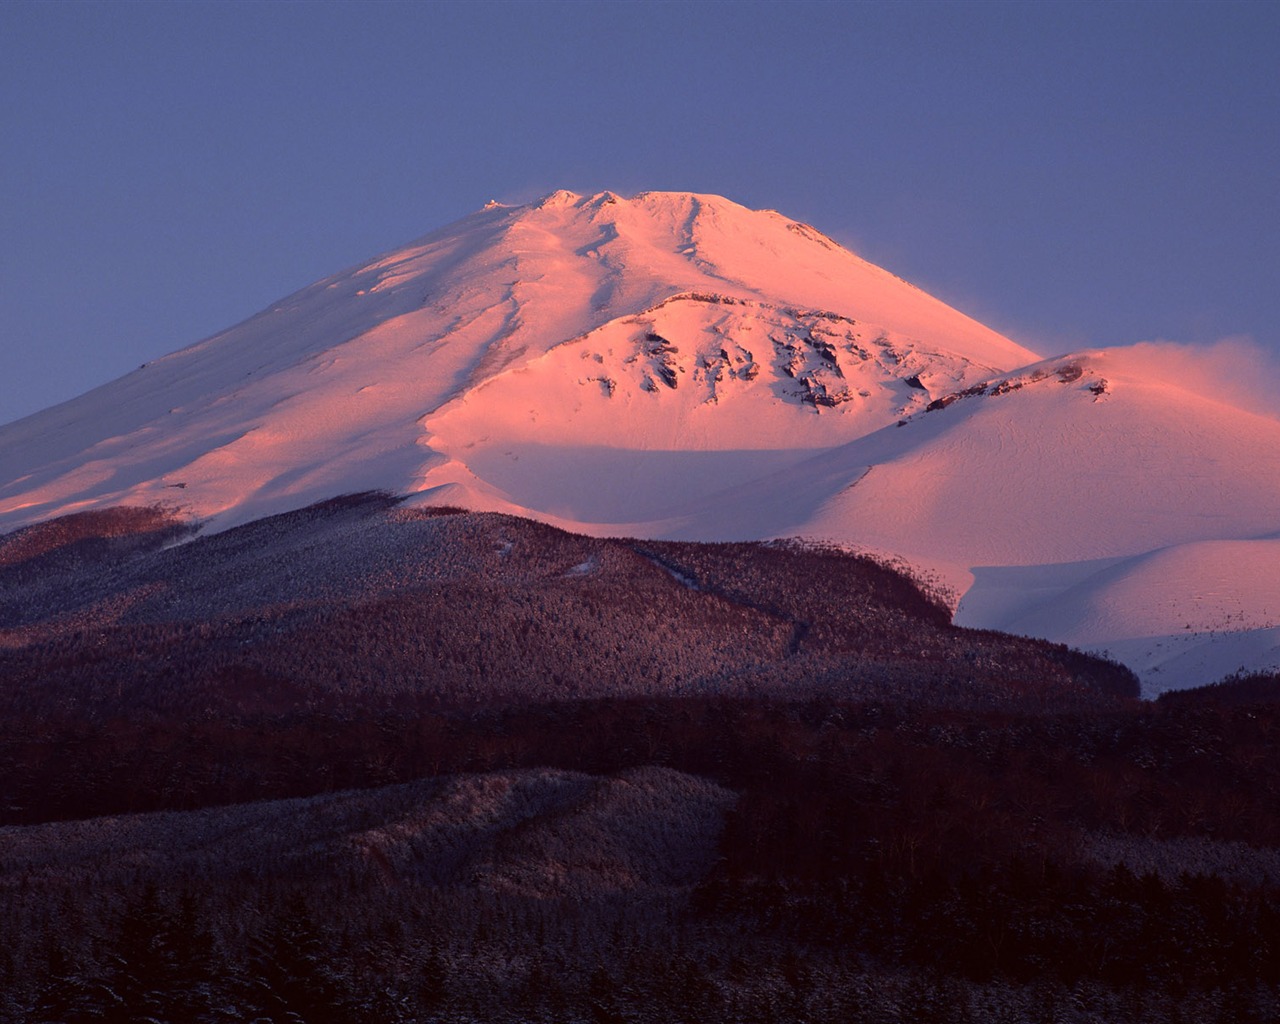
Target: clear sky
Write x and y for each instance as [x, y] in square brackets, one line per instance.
[1071, 174]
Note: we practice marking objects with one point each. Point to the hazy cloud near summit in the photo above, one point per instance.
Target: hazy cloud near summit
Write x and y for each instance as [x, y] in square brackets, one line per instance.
[1236, 369]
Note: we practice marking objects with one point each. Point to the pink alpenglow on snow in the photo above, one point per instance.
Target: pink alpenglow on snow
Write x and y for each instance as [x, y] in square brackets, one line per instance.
[675, 365]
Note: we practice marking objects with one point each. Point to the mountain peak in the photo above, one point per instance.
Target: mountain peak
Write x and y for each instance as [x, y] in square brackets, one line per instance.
[558, 199]
[335, 387]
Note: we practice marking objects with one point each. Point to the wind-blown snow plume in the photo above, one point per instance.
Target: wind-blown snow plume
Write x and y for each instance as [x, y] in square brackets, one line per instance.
[1238, 369]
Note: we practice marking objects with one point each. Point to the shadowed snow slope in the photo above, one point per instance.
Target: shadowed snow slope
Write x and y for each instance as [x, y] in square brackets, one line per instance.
[674, 365]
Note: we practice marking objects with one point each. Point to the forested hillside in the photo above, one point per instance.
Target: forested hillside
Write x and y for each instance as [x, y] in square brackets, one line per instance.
[365, 762]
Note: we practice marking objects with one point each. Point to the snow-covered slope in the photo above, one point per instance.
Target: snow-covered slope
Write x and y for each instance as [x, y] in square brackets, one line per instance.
[1178, 615]
[1090, 499]
[677, 365]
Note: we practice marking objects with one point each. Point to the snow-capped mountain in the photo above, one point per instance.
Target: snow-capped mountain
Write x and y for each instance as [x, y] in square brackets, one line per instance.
[675, 365]
[547, 323]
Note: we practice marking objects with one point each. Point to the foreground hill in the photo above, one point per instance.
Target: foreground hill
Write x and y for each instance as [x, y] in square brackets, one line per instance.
[362, 607]
[366, 761]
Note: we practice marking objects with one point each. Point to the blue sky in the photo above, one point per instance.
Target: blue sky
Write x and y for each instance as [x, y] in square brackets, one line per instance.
[1071, 174]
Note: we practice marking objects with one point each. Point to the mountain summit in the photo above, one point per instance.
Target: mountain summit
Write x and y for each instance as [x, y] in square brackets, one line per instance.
[676, 365]
[596, 321]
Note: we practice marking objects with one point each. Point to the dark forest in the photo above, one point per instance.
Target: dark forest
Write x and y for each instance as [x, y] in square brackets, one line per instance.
[365, 762]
